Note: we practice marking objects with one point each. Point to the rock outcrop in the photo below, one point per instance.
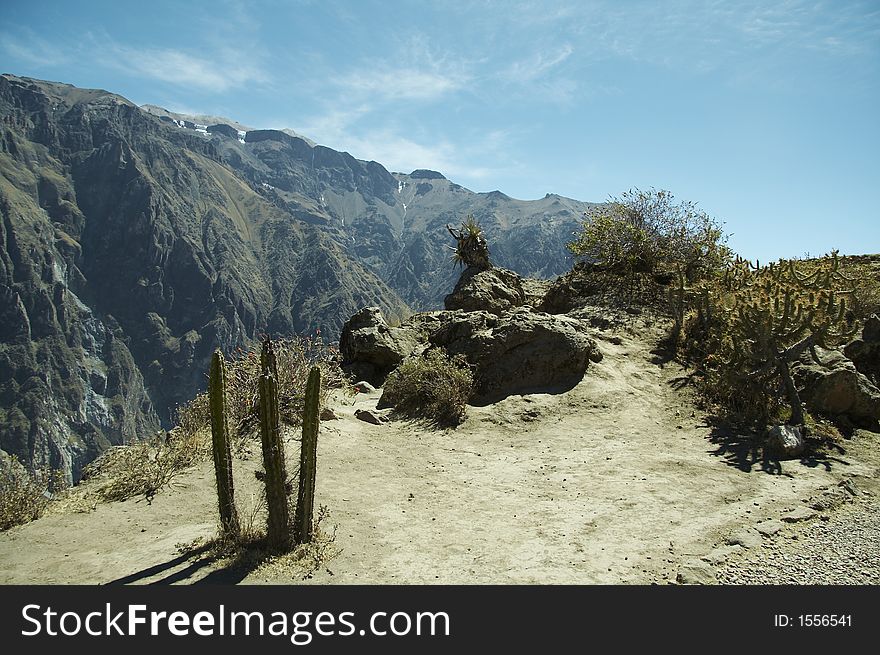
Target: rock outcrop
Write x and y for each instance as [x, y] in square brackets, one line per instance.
[865, 351]
[834, 387]
[510, 350]
[518, 352]
[494, 290]
[371, 349]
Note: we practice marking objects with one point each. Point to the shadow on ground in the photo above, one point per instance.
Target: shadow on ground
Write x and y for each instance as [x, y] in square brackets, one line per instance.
[195, 559]
[745, 450]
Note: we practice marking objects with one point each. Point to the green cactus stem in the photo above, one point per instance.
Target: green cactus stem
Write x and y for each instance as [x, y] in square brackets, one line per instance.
[278, 526]
[308, 459]
[221, 446]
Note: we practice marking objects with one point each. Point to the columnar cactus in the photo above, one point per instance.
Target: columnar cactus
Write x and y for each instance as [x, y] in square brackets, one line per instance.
[308, 459]
[221, 447]
[278, 528]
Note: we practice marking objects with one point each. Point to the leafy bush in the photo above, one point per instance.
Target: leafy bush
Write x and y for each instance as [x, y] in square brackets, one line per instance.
[647, 231]
[431, 387]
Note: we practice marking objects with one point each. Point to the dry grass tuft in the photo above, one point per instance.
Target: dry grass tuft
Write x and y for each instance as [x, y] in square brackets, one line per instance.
[24, 496]
[431, 387]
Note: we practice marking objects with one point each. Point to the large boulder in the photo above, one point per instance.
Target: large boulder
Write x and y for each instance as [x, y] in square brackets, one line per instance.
[865, 351]
[833, 386]
[371, 349]
[494, 290]
[518, 352]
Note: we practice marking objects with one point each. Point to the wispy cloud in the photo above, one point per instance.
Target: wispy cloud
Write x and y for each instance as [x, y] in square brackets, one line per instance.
[215, 67]
[402, 153]
[538, 64]
[428, 74]
[400, 84]
[219, 73]
[32, 50]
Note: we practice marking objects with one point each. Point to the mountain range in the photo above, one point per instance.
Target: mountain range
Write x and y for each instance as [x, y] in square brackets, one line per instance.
[136, 240]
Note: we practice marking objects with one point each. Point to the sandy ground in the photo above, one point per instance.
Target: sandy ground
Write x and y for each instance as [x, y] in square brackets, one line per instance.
[619, 480]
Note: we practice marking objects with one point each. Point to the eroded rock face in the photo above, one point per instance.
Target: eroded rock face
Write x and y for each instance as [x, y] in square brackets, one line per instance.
[495, 290]
[836, 388]
[865, 351]
[518, 352]
[129, 251]
[371, 349]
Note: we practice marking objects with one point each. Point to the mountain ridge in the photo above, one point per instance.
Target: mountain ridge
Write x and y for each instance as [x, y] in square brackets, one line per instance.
[132, 247]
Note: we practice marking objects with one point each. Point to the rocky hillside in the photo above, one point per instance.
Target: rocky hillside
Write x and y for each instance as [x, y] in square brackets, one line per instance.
[130, 250]
[135, 242]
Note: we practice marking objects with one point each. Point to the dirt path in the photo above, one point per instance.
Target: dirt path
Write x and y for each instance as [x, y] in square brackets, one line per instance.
[619, 480]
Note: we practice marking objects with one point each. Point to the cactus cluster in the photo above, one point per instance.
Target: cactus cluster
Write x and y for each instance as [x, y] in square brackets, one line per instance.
[767, 316]
[281, 534]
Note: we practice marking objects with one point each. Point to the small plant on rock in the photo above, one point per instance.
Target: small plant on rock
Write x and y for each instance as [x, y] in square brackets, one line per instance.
[471, 248]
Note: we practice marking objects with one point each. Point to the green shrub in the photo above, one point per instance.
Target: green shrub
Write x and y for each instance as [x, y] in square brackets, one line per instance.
[431, 387]
[647, 231]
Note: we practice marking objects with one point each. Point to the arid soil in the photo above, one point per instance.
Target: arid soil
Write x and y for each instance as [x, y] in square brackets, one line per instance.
[619, 480]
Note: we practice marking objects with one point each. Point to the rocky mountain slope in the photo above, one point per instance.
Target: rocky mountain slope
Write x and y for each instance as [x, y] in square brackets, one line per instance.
[135, 242]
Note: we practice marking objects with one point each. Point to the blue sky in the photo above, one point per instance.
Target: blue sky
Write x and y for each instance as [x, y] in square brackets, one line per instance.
[765, 113]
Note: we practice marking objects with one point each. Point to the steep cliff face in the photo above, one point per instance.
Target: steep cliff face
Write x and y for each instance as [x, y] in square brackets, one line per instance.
[130, 251]
[134, 243]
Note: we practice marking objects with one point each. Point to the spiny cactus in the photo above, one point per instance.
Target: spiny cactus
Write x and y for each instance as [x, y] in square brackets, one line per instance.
[221, 447]
[278, 528]
[308, 459]
[770, 315]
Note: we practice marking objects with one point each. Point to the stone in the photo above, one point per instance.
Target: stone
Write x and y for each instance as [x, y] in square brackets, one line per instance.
[865, 351]
[747, 538]
[833, 386]
[519, 352]
[369, 416]
[495, 290]
[371, 349]
[327, 414]
[696, 573]
[799, 514]
[784, 442]
[769, 528]
[364, 387]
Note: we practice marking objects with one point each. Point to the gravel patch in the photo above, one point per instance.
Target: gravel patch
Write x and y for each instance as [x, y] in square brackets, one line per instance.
[841, 547]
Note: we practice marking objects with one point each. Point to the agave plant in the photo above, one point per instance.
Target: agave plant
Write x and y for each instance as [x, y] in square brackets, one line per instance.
[471, 248]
